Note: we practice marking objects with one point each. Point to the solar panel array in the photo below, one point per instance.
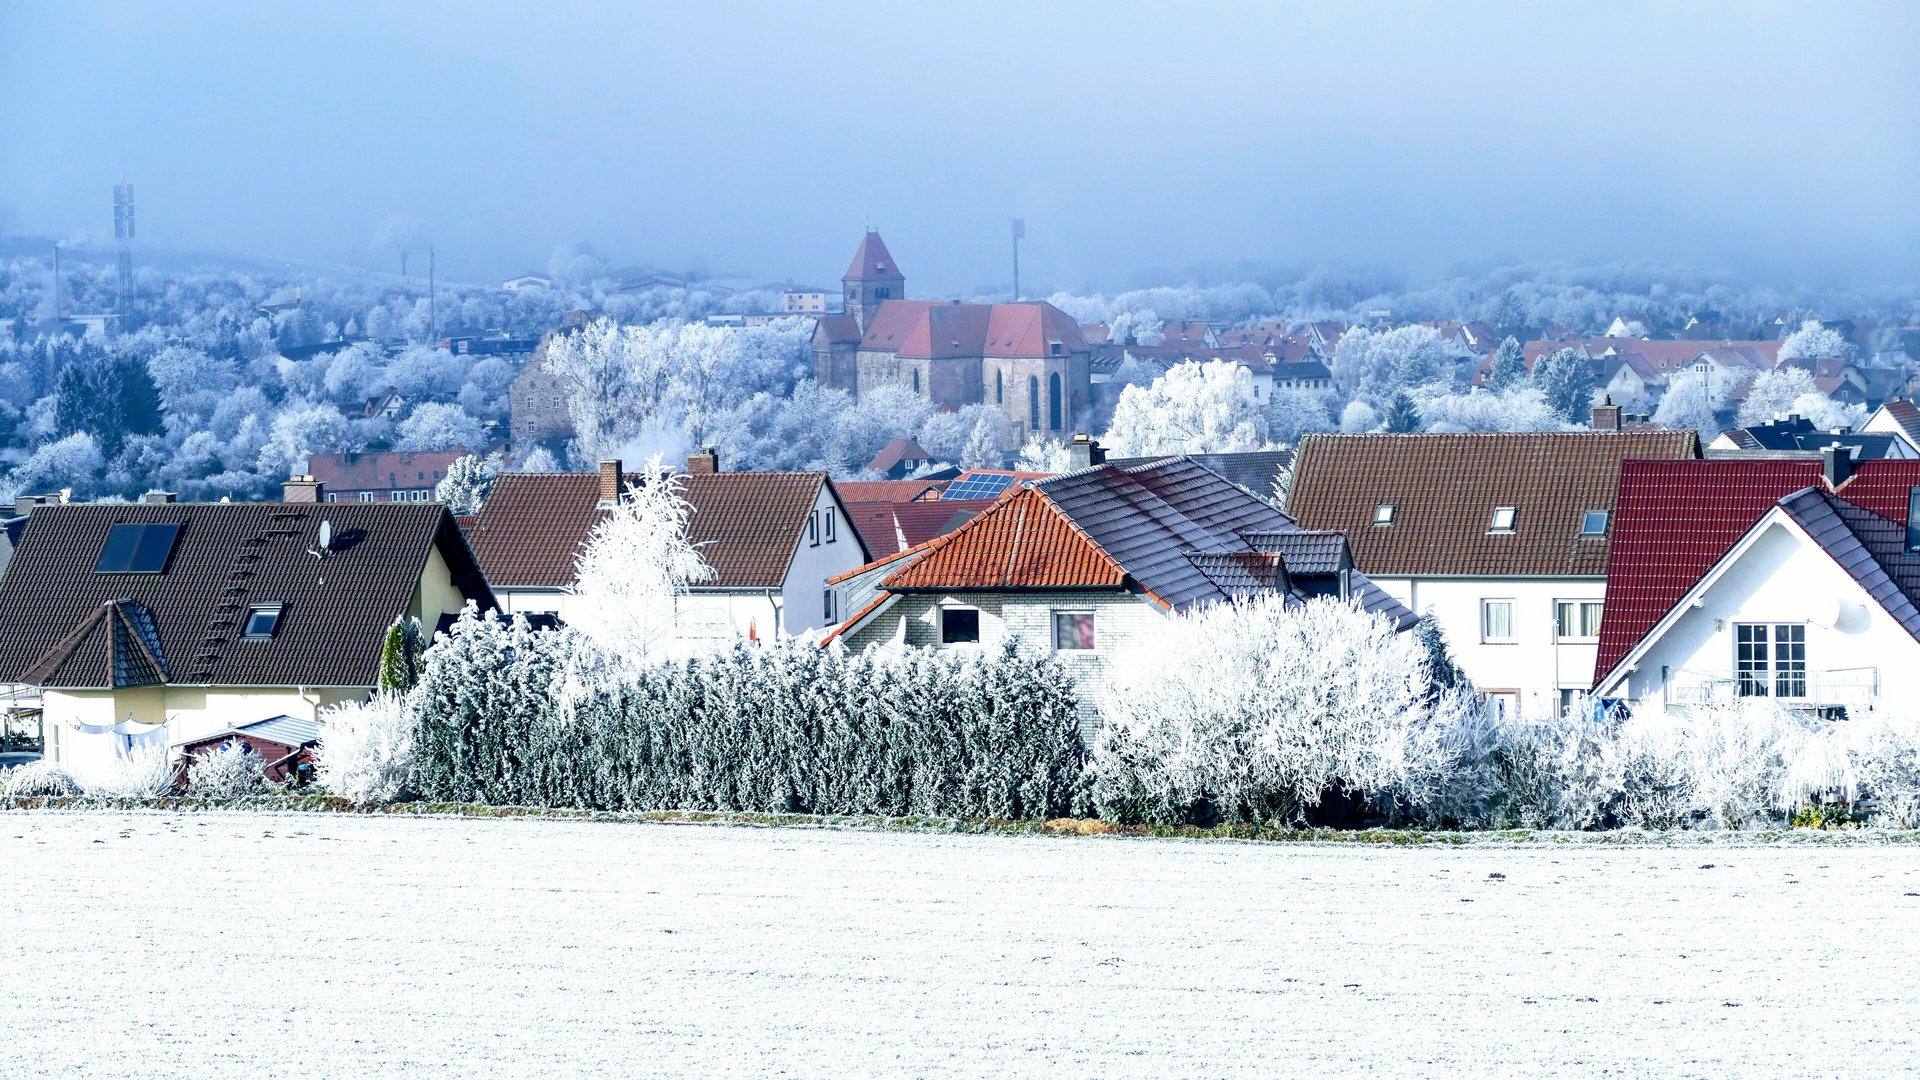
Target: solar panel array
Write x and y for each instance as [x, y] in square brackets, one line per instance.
[978, 484]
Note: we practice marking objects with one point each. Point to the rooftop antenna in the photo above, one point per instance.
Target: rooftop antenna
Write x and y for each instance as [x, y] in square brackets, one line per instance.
[1019, 232]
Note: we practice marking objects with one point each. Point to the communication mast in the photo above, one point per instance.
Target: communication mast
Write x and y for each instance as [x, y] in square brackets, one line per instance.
[123, 234]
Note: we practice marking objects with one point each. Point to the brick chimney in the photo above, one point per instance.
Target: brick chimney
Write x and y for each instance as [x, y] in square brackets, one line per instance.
[1837, 463]
[1606, 416]
[1084, 453]
[610, 482]
[705, 460]
[303, 489]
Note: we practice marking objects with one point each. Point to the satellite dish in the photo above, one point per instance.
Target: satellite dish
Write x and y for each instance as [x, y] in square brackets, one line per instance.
[326, 535]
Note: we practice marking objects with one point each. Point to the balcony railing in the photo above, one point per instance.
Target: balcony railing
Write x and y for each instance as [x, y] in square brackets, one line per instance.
[1850, 687]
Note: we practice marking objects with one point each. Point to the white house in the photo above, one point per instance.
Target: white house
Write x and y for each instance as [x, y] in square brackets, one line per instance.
[772, 539]
[1502, 538]
[1898, 418]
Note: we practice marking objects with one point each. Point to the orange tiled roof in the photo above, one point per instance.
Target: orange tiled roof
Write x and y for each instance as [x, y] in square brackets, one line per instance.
[1023, 541]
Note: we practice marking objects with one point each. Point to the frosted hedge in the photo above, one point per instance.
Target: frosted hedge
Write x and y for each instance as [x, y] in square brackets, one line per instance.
[506, 715]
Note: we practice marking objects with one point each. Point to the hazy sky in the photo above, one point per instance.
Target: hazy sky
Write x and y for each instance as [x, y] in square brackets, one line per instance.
[1137, 140]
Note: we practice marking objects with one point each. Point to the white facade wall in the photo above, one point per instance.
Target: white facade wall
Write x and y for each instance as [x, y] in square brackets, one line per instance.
[829, 548]
[185, 713]
[1121, 620]
[1537, 664]
[1782, 578]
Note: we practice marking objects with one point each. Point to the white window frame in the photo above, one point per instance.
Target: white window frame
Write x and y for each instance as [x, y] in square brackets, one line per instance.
[828, 515]
[1768, 675]
[1054, 629]
[368, 496]
[1383, 513]
[1512, 514]
[813, 529]
[1513, 632]
[1580, 604]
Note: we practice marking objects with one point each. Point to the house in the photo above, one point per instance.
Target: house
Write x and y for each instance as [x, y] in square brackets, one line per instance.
[1028, 359]
[284, 743]
[1253, 470]
[1305, 375]
[1798, 433]
[1635, 324]
[898, 458]
[527, 281]
[388, 406]
[538, 399]
[772, 539]
[1630, 377]
[1502, 538]
[892, 527]
[1794, 580]
[1897, 417]
[383, 475]
[168, 622]
[804, 300]
[1085, 564]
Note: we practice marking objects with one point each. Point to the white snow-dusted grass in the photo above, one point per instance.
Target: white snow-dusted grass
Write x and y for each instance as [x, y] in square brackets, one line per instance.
[254, 945]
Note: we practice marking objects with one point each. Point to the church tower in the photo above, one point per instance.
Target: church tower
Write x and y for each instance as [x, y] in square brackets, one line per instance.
[871, 280]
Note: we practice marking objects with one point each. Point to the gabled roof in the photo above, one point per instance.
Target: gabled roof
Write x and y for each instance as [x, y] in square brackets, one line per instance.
[872, 261]
[1251, 469]
[888, 527]
[929, 329]
[64, 625]
[285, 730]
[1444, 489]
[895, 452]
[890, 491]
[1906, 416]
[1672, 522]
[747, 525]
[837, 329]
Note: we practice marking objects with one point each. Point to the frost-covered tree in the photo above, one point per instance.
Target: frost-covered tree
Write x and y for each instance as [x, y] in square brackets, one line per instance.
[864, 428]
[945, 434]
[73, 462]
[436, 426]
[1294, 412]
[1689, 403]
[230, 771]
[539, 460]
[1520, 408]
[1508, 366]
[299, 432]
[366, 749]
[984, 448]
[1358, 418]
[1566, 381]
[1370, 365]
[1816, 341]
[1044, 456]
[1192, 409]
[1772, 393]
[401, 237]
[464, 488]
[634, 568]
[1827, 414]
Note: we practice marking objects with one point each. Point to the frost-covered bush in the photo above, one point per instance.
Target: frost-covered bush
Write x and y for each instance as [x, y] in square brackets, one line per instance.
[1887, 762]
[366, 749]
[230, 771]
[38, 779]
[145, 772]
[507, 715]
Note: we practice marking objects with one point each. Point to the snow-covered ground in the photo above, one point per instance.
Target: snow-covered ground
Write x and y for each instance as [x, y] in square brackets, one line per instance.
[251, 945]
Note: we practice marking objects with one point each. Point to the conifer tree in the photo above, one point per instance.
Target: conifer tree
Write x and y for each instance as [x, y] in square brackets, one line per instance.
[1508, 367]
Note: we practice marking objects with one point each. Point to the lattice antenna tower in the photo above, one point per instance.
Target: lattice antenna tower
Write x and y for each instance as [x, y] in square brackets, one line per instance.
[123, 235]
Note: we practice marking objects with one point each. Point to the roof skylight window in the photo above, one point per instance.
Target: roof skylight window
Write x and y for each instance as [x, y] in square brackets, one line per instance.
[1383, 514]
[1594, 523]
[1503, 518]
[138, 548]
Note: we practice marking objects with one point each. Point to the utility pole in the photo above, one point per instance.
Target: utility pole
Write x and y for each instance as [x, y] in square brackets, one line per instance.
[1019, 230]
[433, 318]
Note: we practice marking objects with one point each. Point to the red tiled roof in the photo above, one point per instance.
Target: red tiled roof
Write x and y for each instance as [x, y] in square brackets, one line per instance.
[928, 329]
[873, 262]
[890, 491]
[895, 452]
[1673, 520]
[884, 524]
[1023, 541]
[746, 525]
[1881, 485]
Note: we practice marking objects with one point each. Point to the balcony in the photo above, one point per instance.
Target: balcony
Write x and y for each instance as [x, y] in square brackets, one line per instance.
[1855, 688]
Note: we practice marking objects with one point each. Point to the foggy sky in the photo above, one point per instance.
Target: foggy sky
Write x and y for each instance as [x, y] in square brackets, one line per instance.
[1138, 141]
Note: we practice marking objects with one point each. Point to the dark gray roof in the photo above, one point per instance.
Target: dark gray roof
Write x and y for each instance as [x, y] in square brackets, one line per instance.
[1869, 547]
[1315, 553]
[1252, 469]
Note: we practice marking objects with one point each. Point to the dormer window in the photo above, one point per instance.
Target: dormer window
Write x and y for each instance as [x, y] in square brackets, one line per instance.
[262, 620]
[1503, 519]
[1593, 523]
[1383, 514]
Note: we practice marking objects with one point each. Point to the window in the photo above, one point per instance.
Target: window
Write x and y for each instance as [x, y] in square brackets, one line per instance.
[333, 496]
[1053, 401]
[1913, 519]
[262, 619]
[959, 626]
[1593, 523]
[1777, 672]
[366, 496]
[1383, 514]
[916, 380]
[813, 529]
[882, 293]
[399, 496]
[1503, 518]
[556, 401]
[828, 515]
[1033, 402]
[1504, 705]
[1058, 348]
[1496, 620]
[1569, 699]
[1000, 386]
[1576, 620]
[1073, 630]
[137, 549]
[827, 613]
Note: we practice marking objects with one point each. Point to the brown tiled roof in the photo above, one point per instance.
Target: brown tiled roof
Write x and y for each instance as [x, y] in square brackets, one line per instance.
[62, 624]
[890, 491]
[895, 452]
[884, 524]
[747, 525]
[382, 469]
[1444, 489]
[839, 328]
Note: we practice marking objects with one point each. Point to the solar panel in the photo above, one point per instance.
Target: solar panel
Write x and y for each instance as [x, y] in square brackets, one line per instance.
[978, 485]
[137, 549]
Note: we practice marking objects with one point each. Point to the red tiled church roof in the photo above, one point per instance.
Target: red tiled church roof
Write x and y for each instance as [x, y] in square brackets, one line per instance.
[930, 329]
[873, 262]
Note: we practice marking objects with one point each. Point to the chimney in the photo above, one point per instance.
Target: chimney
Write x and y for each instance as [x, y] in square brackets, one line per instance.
[1084, 453]
[1606, 416]
[610, 482]
[301, 489]
[1838, 462]
[705, 460]
[162, 497]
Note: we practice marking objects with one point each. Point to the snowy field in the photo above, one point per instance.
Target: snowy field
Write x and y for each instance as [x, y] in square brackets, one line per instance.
[249, 945]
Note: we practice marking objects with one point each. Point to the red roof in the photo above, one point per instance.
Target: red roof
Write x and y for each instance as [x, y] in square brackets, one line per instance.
[1024, 542]
[895, 452]
[873, 262]
[1882, 485]
[883, 525]
[1672, 522]
[929, 329]
[890, 491]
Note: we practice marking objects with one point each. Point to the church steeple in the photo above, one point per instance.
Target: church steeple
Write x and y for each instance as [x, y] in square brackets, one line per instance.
[871, 279]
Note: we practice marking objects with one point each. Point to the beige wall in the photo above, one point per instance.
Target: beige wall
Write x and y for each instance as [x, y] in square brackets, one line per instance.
[188, 712]
[437, 593]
